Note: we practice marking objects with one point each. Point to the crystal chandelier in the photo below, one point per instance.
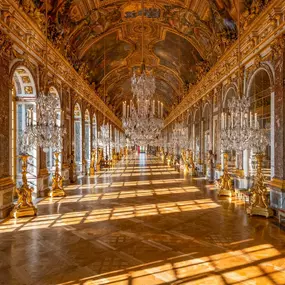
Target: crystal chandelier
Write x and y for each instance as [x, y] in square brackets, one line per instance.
[48, 132]
[143, 85]
[104, 136]
[143, 116]
[236, 124]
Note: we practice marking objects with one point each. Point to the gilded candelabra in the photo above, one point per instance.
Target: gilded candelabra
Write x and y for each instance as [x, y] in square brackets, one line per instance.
[259, 194]
[24, 206]
[99, 160]
[57, 181]
[225, 184]
[185, 159]
[92, 163]
[193, 172]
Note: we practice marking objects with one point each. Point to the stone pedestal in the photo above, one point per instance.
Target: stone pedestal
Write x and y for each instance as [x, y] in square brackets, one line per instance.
[6, 196]
[65, 173]
[277, 193]
[43, 183]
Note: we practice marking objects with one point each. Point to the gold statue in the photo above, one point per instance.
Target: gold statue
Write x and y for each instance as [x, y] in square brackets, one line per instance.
[99, 160]
[185, 161]
[24, 206]
[259, 200]
[225, 184]
[92, 163]
[57, 181]
[193, 172]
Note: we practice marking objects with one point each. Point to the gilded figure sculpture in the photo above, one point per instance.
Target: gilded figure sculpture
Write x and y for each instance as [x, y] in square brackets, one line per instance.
[99, 160]
[225, 183]
[24, 206]
[92, 163]
[259, 204]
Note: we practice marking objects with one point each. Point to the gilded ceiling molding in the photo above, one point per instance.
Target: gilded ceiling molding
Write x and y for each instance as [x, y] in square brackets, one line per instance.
[262, 29]
[25, 34]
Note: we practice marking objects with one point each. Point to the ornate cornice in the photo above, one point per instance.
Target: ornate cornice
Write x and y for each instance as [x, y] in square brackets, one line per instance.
[265, 29]
[25, 35]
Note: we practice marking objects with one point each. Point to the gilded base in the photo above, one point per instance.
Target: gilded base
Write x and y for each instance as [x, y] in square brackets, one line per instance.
[23, 212]
[193, 172]
[57, 193]
[258, 211]
[92, 171]
[225, 192]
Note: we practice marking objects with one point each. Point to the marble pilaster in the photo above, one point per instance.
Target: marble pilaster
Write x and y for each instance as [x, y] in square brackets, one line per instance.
[277, 193]
[6, 183]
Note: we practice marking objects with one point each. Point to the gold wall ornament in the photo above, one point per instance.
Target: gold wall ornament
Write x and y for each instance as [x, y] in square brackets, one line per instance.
[5, 44]
[57, 181]
[24, 206]
[225, 184]
[259, 202]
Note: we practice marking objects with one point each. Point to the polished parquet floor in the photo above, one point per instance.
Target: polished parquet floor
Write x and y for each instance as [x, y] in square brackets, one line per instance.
[141, 223]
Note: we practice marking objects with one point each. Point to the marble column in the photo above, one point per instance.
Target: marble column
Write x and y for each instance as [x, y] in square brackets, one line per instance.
[277, 193]
[6, 183]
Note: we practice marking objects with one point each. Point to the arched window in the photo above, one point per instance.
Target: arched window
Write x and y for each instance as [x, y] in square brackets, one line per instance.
[87, 136]
[234, 159]
[23, 100]
[260, 103]
[78, 137]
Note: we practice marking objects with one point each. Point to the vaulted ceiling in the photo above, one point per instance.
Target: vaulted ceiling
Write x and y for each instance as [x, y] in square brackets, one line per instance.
[183, 39]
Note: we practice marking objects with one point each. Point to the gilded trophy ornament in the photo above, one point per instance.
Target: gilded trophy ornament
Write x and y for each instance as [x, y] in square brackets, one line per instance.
[259, 204]
[24, 206]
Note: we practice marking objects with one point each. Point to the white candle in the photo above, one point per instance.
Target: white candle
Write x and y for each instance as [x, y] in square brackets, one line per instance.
[222, 119]
[250, 120]
[153, 107]
[32, 116]
[124, 109]
[128, 109]
[28, 117]
[161, 110]
[158, 109]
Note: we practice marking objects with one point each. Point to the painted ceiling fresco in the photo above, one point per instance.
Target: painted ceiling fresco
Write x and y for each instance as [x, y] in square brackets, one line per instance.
[184, 38]
[179, 55]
